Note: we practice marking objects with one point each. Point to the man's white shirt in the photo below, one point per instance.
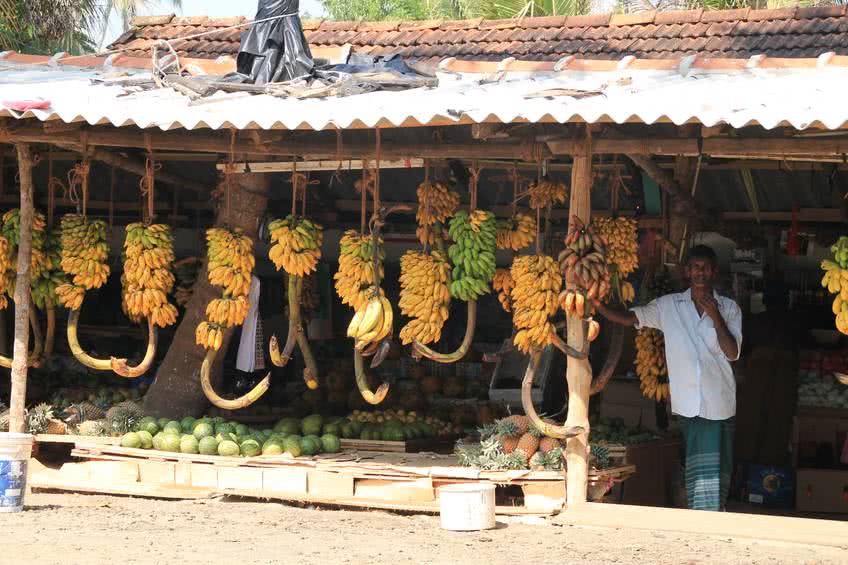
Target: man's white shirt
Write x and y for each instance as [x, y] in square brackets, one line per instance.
[700, 376]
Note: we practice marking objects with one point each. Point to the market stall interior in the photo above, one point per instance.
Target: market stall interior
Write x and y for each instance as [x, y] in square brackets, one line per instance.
[308, 289]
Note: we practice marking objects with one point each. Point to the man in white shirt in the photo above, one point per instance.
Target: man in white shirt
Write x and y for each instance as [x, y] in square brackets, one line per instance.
[703, 335]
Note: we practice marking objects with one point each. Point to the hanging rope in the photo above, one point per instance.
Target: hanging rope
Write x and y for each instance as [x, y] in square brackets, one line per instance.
[363, 204]
[51, 189]
[229, 171]
[78, 182]
[473, 180]
[147, 183]
[112, 179]
[377, 174]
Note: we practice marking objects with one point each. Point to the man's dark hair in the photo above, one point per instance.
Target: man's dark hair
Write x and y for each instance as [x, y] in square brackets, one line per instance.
[702, 252]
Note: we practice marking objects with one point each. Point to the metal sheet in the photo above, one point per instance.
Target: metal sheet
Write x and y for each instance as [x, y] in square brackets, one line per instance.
[767, 97]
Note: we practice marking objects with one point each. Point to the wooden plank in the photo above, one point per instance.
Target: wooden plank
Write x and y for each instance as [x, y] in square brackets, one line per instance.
[56, 438]
[239, 478]
[158, 472]
[288, 481]
[107, 472]
[204, 476]
[546, 496]
[419, 490]
[322, 483]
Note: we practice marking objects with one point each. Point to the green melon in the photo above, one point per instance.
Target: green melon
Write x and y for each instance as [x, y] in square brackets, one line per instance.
[250, 448]
[393, 433]
[202, 430]
[170, 442]
[228, 448]
[333, 428]
[146, 439]
[308, 446]
[292, 446]
[189, 444]
[330, 443]
[149, 425]
[208, 446]
[162, 422]
[316, 440]
[272, 448]
[242, 430]
[173, 427]
[131, 439]
[346, 431]
[187, 424]
[312, 424]
[288, 427]
[224, 428]
[228, 436]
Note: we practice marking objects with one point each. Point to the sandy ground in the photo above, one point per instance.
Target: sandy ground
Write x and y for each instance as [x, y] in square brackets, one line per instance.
[92, 530]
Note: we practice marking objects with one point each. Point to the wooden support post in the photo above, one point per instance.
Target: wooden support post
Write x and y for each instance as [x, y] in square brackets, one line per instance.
[579, 372]
[17, 419]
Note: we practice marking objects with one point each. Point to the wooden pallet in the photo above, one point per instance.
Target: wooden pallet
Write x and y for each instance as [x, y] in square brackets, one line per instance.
[399, 481]
[408, 446]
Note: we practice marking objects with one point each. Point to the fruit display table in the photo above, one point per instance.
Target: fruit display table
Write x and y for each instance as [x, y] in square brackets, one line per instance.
[396, 481]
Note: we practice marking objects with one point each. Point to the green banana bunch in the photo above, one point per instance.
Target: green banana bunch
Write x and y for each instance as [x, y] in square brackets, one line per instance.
[472, 254]
[840, 252]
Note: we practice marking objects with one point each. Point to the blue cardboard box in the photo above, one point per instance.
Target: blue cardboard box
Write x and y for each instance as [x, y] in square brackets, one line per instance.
[770, 486]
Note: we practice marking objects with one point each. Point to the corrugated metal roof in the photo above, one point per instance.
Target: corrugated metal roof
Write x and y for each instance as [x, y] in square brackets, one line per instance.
[767, 96]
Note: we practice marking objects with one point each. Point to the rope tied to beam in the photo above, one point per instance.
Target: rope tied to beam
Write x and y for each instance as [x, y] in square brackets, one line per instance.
[147, 183]
[78, 183]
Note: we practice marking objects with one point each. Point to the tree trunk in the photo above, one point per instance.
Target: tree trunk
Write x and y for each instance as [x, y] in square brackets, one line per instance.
[177, 391]
[17, 404]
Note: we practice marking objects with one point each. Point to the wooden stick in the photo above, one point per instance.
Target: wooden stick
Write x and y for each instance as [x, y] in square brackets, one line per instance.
[579, 372]
[17, 404]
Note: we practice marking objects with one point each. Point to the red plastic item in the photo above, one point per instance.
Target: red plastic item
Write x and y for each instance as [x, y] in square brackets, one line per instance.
[793, 246]
[25, 105]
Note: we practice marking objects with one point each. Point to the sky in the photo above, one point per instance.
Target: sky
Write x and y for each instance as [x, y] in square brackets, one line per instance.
[206, 8]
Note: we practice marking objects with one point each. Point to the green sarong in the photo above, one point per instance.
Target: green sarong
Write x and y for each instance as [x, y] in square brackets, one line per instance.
[709, 461]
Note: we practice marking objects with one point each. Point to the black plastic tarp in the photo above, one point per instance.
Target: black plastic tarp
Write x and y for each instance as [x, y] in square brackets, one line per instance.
[275, 50]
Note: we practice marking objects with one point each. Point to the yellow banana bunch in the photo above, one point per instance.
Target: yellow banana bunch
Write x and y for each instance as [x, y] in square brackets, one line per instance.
[436, 203]
[148, 278]
[544, 193]
[424, 295]
[534, 300]
[650, 364]
[517, 232]
[5, 271]
[584, 261]
[230, 266]
[372, 321]
[503, 285]
[835, 280]
[627, 293]
[620, 235]
[85, 251]
[356, 268]
[297, 245]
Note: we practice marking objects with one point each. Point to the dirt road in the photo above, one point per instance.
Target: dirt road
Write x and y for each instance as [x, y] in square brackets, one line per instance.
[93, 530]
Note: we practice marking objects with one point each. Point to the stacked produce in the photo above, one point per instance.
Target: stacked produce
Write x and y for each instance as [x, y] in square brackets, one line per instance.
[534, 300]
[622, 250]
[472, 254]
[393, 425]
[650, 347]
[297, 245]
[424, 295]
[85, 250]
[823, 391]
[372, 321]
[613, 431]
[147, 279]
[512, 443]
[835, 280]
[436, 203]
[517, 232]
[503, 285]
[544, 193]
[230, 266]
[356, 268]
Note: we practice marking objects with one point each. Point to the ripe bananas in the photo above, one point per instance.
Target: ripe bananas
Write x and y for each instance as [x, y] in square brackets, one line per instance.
[544, 193]
[356, 268]
[650, 364]
[436, 203]
[372, 321]
[517, 232]
[147, 279]
[50, 276]
[424, 295]
[534, 300]
[230, 265]
[584, 261]
[297, 247]
[472, 254]
[835, 280]
[620, 235]
[85, 250]
[503, 284]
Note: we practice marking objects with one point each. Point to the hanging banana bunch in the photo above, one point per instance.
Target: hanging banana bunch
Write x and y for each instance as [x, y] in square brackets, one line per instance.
[517, 232]
[297, 250]
[622, 253]
[544, 193]
[651, 365]
[229, 266]
[436, 203]
[473, 258]
[503, 284]
[424, 295]
[147, 280]
[534, 299]
[44, 287]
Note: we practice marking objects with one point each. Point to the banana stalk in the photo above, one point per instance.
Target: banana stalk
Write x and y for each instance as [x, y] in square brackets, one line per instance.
[372, 398]
[77, 350]
[613, 356]
[236, 403]
[50, 334]
[278, 359]
[121, 367]
[422, 350]
[559, 432]
[34, 359]
[568, 350]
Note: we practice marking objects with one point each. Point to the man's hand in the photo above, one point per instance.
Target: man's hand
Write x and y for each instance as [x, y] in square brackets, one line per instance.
[709, 305]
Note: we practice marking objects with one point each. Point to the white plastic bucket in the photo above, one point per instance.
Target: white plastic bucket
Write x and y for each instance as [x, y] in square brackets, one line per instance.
[466, 507]
[15, 450]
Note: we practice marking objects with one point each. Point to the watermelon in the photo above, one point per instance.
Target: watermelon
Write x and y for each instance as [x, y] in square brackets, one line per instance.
[393, 433]
[173, 427]
[330, 443]
[242, 430]
[146, 439]
[162, 422]
[316, 440]
[149, 425]
[202, 430]
[187, 424]
[308, 446]
[171, 442]
[293, 446]
[208, 446]
[131, 439]
[250, 448]
[312, 424]
[189, 444]
[228, 448]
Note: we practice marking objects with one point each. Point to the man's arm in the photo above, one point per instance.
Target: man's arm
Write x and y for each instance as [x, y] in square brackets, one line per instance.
[623, 317]
[726, 340]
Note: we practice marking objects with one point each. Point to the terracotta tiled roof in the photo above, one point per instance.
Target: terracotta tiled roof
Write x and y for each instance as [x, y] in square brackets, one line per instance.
[789, 32]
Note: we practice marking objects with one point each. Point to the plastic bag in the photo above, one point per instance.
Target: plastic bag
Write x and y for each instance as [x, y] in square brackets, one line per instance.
[275, 50]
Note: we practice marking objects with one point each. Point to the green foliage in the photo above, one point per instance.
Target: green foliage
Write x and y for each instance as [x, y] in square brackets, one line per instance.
[48, 26]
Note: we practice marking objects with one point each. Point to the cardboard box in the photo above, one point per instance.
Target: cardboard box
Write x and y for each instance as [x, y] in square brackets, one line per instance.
[773, 487]
[822, 490]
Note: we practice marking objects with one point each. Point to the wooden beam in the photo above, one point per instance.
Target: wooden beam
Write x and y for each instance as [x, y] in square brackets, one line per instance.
[133, 206]
[578, 371]
[824, 215]
[17, 403]
[665, 180]
[753, 147]
[321, 165]
[268, 143]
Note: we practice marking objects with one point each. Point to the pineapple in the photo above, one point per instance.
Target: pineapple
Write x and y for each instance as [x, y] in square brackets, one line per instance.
[91, 428]
[4, 420]
[82, 412]
[539, 461]
[521, 422]
[508, 443]
[555, 459]
[121, 421]
[128, 406]
[548, 444]
[528, 444]
[38, 418]
[507, 428]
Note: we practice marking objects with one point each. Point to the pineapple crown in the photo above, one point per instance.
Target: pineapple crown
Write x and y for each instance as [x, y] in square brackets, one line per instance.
[506, 427]
[534, 431]
[122, 420]
[38, 418]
